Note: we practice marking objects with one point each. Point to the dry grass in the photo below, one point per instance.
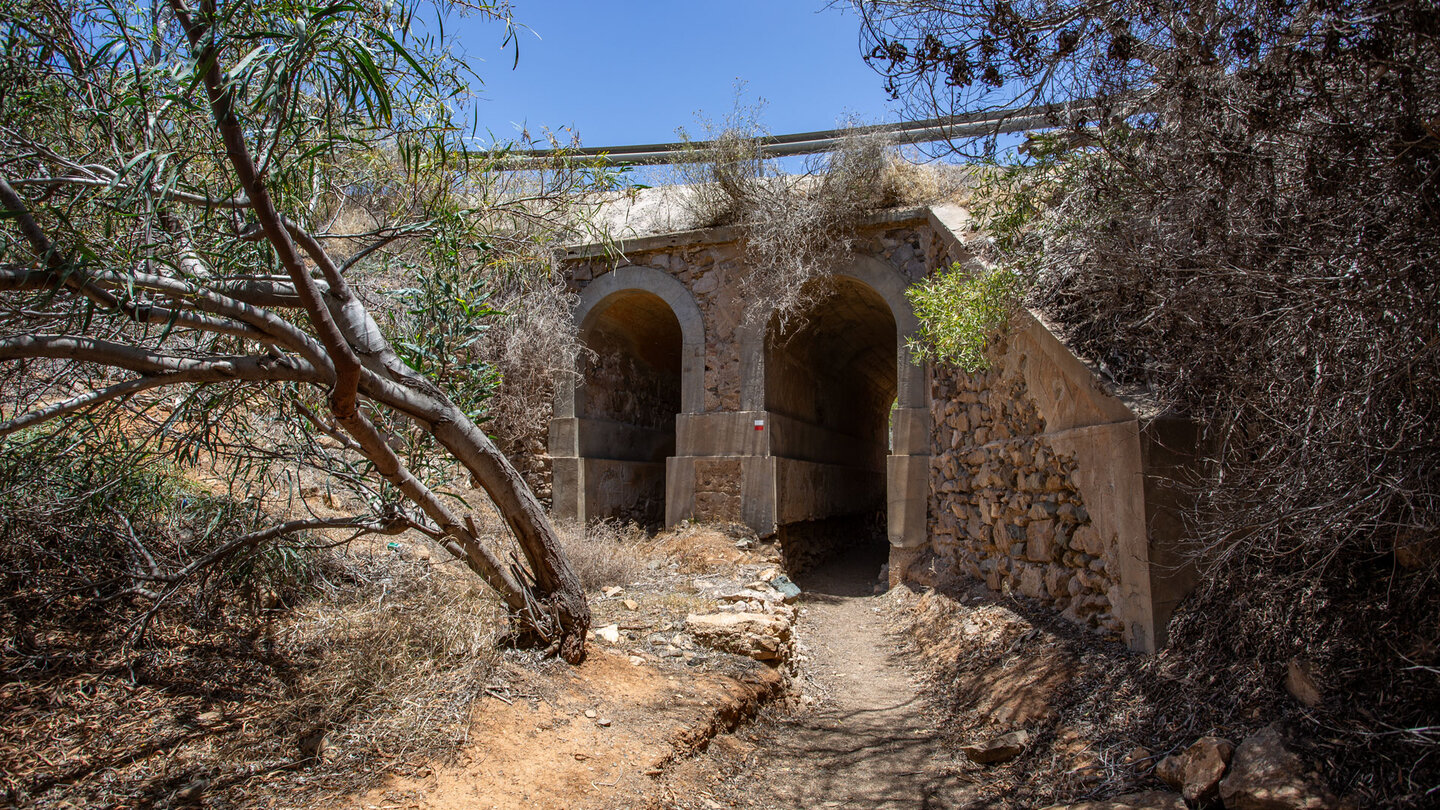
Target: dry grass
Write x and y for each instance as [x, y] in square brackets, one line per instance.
[604, 553]
[795, 227]
[903, 183]
[396, 653]
[702, 548]
[382, 654]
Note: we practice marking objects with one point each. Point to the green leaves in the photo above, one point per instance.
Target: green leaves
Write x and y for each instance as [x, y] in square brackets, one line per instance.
[961, 312]
[449, 311]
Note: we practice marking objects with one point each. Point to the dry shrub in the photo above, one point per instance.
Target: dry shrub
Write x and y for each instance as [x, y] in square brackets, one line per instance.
[703, 548]
[1258, 252]
[1262, 257]
[385, 660]
[605, 552]
[794, 227]
[532, 345]
[906, 183]
[389, 659]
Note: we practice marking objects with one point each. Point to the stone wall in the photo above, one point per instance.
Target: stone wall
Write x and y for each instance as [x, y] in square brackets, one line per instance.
[710, 265]
[626, 389]
[1038, 487]
[1005, 508]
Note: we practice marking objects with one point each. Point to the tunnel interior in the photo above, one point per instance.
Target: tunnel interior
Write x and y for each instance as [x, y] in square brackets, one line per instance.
[632, 371]
[831, 383]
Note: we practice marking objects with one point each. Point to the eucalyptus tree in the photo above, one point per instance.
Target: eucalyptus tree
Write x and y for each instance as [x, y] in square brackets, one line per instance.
[206, 208]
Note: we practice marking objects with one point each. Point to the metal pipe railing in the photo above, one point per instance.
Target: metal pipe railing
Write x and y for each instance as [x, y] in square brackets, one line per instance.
[808, 143]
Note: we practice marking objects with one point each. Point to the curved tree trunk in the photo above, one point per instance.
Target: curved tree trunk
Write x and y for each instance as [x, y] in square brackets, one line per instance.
[553, 605]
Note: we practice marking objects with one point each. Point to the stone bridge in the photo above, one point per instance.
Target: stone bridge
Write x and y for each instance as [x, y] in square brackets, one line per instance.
[1032, 477]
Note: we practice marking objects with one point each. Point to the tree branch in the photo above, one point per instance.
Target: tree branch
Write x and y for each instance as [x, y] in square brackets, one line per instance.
[145, 361]
[264, 327]
[171, 195]
[347, 365]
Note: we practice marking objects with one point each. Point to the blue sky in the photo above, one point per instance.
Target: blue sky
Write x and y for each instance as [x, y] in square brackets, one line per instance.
[631, 72]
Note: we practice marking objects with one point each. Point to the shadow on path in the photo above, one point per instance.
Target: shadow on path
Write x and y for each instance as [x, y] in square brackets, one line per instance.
[867, 744]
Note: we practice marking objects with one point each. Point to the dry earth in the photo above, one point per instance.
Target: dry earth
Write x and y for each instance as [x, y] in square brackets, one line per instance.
[866, 742]
[653, 719]
[591, 736]
[858, 737]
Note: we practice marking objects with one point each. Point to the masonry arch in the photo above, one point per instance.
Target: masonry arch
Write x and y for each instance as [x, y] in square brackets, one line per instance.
[615, 425]
[885, 281]
[830, 384]
[796, 493]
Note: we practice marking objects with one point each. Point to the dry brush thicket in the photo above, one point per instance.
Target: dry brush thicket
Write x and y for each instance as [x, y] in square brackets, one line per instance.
[1252, 235]
[374, 655]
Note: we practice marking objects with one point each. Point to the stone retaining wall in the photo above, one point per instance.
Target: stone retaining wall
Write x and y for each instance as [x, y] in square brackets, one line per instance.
[1004, 508]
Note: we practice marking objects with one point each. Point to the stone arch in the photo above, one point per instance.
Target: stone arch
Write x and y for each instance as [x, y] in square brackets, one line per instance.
[568, 400]
[890, 285]
[611, 443]
[907, 467]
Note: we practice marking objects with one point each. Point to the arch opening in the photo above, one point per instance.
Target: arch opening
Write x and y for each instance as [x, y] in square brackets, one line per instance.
[831, 384]
[627, 403]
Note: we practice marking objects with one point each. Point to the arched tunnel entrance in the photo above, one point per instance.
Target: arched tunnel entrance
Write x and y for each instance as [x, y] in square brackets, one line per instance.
[830, 387]
[817, 432]
[632, 366]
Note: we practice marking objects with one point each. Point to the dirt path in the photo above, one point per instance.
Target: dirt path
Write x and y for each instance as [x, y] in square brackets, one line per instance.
[867, 744]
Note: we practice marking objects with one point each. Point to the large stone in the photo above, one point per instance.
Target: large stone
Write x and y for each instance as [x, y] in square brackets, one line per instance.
[1171, 771]
[787, 589]
[1204, 763]
[1040, 540]
[1057, 581]
[1086, 539]
[761, 636]
[1266, 775]
[997, 749]
[748, 595]
[1032, 582]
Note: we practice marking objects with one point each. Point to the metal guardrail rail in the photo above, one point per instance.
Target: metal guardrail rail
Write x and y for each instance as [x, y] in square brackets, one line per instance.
[929, 130]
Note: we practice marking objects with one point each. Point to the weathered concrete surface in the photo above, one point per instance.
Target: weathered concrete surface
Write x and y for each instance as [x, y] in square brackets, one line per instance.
[771, 427]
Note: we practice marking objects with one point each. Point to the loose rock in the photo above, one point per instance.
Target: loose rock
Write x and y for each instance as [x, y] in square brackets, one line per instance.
[1266, 775]
[764, 637]
[1205, 763]
[998, 749]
